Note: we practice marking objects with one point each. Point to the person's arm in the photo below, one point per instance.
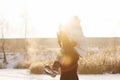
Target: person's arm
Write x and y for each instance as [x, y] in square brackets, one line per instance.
[57, 62]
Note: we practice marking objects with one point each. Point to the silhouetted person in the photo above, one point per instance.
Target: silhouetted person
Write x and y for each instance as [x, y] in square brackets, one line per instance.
[67, 58]
[72, 43]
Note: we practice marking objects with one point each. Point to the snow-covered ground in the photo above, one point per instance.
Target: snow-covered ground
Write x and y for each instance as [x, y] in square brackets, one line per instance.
[23, 74]
[12, 59]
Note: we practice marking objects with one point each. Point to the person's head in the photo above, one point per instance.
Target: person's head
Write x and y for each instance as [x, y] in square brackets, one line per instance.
[75, 22]
[75, 18]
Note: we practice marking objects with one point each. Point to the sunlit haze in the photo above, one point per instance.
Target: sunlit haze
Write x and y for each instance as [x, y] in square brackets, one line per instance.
[99, 18]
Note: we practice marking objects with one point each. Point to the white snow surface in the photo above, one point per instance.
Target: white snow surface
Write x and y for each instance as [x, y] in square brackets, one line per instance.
[12, 59]
[23, 74]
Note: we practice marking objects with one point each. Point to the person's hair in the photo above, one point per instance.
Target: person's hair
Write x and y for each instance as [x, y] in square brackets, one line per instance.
[75, 17]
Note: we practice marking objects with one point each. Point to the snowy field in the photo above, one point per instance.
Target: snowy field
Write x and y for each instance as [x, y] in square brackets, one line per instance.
[23, 74]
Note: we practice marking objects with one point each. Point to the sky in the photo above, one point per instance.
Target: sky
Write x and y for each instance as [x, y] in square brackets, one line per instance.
[99, 18]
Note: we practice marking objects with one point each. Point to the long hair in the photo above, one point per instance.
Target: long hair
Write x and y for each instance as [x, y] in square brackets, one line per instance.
[68, 50]
[64, 41]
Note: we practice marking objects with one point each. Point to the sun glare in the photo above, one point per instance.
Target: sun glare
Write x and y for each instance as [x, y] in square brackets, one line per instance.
[44, 17]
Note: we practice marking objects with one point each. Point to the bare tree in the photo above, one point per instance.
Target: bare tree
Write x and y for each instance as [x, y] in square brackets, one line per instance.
[25, 24]
[3, 42]
[3, 48]
[24, 18]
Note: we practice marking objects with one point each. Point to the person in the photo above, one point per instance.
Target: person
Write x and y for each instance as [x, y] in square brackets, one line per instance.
[67, 59]
[72, 46]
